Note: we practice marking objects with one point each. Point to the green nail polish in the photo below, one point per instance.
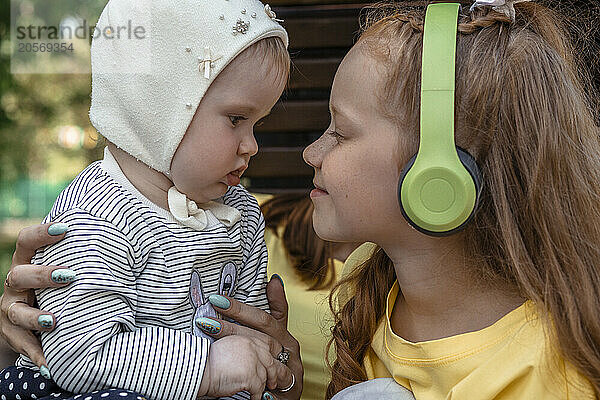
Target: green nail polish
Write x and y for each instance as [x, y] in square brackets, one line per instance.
[278, 277]
[45, 321]
[208, 325]
[63, 275]
[219, 301]
[267, 396]
[45, 372]
[57, 229]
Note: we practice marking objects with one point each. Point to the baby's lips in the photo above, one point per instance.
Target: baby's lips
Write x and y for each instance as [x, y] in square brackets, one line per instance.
[241, 170]
[232, 180]
[233, 177]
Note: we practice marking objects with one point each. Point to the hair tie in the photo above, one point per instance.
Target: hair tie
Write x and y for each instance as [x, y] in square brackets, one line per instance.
[502, 6]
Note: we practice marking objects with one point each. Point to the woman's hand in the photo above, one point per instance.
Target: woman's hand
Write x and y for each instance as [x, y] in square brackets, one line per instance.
[17, 317]
[270, 329]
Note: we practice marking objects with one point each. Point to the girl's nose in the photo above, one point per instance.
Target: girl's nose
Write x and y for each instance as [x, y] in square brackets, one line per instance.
[313, 154]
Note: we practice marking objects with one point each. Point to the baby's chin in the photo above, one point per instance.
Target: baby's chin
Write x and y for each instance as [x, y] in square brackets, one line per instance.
[214, 192]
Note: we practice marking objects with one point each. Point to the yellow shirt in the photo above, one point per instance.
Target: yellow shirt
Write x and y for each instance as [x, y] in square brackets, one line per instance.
[507, 360]
[309, 318]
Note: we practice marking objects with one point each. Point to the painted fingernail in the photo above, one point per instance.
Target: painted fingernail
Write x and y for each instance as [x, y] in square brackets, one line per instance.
[278, 277]
[63, 275]
[57, 229]
[45, 372]
[267, 396]
[45, 321]
[219, 301]
[208, 325]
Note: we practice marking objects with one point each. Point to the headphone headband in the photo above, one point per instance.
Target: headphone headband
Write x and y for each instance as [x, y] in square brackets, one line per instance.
[438, 78]
[438, 190]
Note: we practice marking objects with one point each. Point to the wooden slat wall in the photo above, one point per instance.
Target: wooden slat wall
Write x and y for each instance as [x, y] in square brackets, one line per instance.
[321, 32]
[313, 72]
[297, 116]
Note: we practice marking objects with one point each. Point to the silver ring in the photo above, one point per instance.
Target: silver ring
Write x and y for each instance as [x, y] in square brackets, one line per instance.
[287, 389]
[6, 282]
[12, 304]
[283, 356]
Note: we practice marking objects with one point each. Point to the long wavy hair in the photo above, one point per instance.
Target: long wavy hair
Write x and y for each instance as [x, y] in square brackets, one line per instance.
[525, 110]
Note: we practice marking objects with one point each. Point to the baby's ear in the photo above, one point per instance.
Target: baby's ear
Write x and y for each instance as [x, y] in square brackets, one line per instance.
[196, 290]
[228, 278]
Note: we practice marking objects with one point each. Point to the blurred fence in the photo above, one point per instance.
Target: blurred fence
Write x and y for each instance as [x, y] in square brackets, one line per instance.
[27, 198]
[22, 203]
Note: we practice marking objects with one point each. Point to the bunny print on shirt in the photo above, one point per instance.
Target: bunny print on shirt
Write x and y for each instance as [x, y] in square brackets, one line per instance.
[200, 300]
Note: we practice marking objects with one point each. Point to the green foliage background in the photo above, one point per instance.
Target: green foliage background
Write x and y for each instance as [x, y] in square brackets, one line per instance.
[32, 109]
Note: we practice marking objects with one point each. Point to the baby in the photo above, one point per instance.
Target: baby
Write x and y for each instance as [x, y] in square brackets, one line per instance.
[161, 222]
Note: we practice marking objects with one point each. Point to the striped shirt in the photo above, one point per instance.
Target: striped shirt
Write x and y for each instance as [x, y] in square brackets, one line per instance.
[142, 278]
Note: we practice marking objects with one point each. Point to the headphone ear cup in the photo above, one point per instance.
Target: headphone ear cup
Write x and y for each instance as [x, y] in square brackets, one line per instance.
[406, 168]
[471, 166]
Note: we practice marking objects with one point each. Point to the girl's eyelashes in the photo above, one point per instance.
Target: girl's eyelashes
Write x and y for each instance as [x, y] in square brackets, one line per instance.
[260, 122]
[336, 135]
[235, 119]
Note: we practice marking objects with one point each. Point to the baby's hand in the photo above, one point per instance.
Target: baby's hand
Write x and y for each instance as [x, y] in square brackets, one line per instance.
[240, 363]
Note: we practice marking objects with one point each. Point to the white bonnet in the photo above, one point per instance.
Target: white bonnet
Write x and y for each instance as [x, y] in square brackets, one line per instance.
[148, 82]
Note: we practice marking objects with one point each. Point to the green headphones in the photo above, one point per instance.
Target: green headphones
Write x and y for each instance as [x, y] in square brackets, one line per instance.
[439, 188]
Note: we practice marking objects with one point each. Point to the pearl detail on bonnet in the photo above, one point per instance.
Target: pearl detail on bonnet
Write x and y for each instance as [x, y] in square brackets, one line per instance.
[241, 26]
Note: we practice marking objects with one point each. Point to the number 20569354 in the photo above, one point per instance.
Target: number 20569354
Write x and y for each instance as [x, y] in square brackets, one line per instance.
[42, 47]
